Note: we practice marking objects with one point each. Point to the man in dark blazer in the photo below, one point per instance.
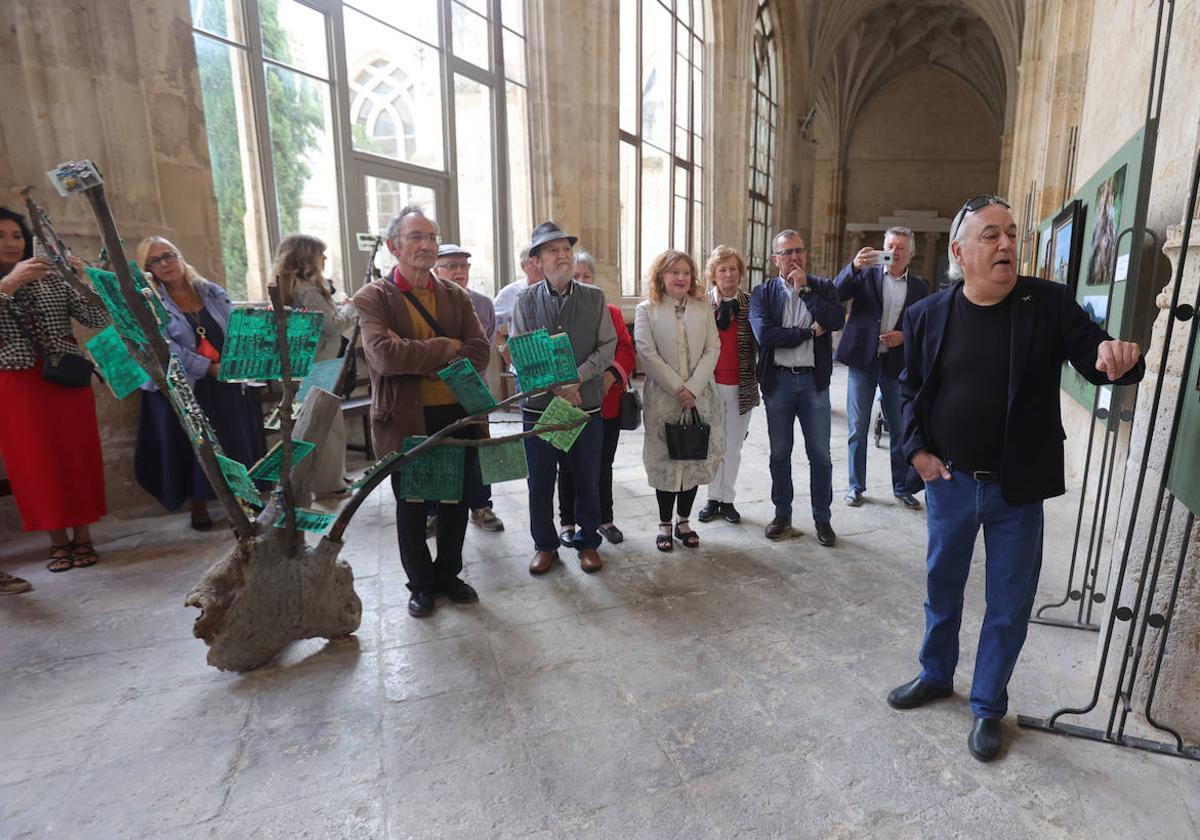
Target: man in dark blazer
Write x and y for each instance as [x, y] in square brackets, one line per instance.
[792, 315]
[983, 428]
[872, 348]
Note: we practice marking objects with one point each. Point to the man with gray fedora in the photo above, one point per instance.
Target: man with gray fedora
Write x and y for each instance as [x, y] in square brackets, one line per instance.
[561, 305]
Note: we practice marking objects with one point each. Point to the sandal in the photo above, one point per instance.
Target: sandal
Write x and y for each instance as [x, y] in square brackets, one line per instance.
[689, 537]
[664, 542]
[83, 555]
[61, 563]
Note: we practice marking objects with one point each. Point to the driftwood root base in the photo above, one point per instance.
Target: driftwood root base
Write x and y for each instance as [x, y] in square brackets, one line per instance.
[258, 600]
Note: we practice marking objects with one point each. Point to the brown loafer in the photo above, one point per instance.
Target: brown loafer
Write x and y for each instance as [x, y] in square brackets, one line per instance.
[589, 560]
[542, 561]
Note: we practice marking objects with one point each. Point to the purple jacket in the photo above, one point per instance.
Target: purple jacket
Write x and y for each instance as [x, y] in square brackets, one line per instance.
[182, 336]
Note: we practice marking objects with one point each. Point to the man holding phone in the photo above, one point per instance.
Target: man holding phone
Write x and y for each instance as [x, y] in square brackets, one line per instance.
[872, 348]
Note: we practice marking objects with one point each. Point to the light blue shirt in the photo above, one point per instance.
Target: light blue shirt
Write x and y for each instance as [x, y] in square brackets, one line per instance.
[895, 289]
[795, 314]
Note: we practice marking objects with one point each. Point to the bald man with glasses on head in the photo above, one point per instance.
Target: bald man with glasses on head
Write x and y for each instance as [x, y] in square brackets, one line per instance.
[983, 428]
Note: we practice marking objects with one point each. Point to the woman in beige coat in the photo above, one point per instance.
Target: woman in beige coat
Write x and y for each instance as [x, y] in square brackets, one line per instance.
[677, 348]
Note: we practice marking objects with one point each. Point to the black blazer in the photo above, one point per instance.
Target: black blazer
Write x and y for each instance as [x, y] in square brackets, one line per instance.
[766, 319]
[1048, 329]
[859, 346]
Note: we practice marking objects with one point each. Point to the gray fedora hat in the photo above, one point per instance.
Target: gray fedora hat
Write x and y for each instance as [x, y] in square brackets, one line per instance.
[547, 232]
[449, 249]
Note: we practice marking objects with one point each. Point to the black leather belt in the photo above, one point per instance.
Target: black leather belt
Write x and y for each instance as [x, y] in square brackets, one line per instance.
[985, 476]
[786, 369]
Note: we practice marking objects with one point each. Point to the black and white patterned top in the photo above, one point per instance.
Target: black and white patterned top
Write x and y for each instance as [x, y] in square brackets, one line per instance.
[45, 308]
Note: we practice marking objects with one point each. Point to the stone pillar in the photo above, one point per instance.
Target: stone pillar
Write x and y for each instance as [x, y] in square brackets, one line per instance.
[1175, 698]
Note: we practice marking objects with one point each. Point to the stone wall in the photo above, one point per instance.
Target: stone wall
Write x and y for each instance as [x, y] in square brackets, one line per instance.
[115, 82]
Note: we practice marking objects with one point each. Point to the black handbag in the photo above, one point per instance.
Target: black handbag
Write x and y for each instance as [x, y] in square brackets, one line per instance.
[688, 441]
[67, 369]
[631, 410]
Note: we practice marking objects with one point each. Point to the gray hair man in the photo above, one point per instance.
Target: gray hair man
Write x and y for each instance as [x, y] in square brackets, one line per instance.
[882, 289]
[983, 429]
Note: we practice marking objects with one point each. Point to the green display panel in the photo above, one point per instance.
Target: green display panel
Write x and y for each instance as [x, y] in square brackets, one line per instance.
[503, 462]
[108, 287]
[238, 479]
[1110, 200]
[564, 358]
[467, 386]
[557, 412]
[436, 475]
[1184, 478]
[308, 520]
[267, 469]
[323, 375]
[250, 352]
[117, 366]
[542, 360]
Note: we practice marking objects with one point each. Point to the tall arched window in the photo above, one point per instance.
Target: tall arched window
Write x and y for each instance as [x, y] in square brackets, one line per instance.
[765, 105]
[661, 120]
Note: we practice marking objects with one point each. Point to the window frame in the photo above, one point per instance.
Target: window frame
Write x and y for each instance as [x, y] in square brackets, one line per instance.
[758, 249]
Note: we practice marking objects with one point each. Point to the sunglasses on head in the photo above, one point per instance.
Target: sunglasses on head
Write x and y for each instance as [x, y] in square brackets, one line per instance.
[974, 204]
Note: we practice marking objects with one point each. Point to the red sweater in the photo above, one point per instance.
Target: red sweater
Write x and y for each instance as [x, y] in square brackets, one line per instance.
[623, 362]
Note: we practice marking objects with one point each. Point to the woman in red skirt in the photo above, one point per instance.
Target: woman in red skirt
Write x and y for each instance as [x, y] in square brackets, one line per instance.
[48, 436]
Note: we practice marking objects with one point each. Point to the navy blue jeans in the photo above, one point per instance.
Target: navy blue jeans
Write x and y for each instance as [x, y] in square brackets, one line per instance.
[860, 395]
[794, 396]
[583, 460]
[1012, 536]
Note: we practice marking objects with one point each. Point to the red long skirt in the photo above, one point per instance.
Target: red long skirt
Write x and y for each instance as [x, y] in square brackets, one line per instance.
[51, 451]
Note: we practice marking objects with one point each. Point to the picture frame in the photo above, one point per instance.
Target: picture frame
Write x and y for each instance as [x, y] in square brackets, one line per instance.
[1064, 249]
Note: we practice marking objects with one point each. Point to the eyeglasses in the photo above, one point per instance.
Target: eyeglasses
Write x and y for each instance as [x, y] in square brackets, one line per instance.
[162, 259]
[454, 266]
[972, 205]
[792, 252]
[414, 238]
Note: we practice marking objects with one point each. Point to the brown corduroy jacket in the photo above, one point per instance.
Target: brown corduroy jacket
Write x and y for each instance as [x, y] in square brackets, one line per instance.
[397, 366]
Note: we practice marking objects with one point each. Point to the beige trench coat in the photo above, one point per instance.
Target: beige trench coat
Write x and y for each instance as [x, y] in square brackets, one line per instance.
[674, 351]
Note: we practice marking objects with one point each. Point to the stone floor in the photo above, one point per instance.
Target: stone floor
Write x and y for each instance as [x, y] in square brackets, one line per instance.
[734, 690]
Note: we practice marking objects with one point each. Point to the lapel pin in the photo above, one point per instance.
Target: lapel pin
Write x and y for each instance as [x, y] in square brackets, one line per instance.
[1027, 298]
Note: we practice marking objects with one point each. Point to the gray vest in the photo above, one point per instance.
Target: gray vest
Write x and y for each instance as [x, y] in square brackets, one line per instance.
[579, 317]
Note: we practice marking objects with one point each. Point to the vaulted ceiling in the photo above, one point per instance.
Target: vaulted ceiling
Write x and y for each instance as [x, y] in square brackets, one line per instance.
[854, 47]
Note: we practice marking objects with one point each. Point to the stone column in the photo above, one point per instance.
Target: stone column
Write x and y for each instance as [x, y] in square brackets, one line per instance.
[1175, 698]
[929, 257]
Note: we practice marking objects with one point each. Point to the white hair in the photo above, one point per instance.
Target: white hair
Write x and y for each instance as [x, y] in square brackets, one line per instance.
[393, 229]
[900, 230]
[958, 227]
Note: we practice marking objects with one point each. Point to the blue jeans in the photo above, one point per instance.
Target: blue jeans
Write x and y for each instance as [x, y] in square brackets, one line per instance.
[1012, 536]
[583, 460]
[793, 397]
[860, 394]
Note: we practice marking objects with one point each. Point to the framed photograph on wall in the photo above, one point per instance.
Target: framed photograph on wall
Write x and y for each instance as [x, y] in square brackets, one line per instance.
[1110, 196]
[1066, 240]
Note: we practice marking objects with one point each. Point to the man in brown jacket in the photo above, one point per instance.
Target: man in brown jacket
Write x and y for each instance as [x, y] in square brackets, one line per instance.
[413, 325]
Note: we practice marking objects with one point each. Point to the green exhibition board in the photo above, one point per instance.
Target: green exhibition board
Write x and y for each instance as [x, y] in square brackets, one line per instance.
[308, 520]
[557, 412]
[564, 358]
[500, 462]
[119, 369]
[542, 360]
[382, 464]
[267, 469]
[1115, 190]
[435, 475]
[250, 352]
[108, 287]
[467, 386]
[238, 479]
[323, 375]
[1184, 478]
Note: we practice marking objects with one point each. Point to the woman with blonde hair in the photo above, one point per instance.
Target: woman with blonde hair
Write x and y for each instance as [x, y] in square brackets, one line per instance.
[164, 463]
[300, 275]
[737, 384]
[677, 348]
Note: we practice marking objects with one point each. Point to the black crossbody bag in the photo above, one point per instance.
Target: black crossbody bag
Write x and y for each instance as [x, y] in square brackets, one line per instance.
[67, 369]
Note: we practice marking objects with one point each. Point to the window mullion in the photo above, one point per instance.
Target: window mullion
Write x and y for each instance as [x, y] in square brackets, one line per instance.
[260, 120]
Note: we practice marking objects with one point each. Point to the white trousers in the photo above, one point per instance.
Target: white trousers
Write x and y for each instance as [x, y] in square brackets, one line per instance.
[722, 488]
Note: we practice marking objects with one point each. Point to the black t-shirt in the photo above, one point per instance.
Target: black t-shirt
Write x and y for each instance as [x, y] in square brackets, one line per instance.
[969, 407]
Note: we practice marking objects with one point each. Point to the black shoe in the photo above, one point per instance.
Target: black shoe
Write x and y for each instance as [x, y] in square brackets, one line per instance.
[825, 535]
[985, 739]
[710, 511]
[908, 500]
[730, 513]
[854, 497]
[420, 604]
[567, 536]
[611, 533]
[915, 693]
[779, 527]
[460, 592]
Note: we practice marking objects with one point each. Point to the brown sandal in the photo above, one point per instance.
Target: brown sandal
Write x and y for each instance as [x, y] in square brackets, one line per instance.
[62, 563]
[83, 555]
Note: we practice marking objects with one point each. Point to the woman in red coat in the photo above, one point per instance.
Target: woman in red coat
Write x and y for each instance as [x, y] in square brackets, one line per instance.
[616, 378]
